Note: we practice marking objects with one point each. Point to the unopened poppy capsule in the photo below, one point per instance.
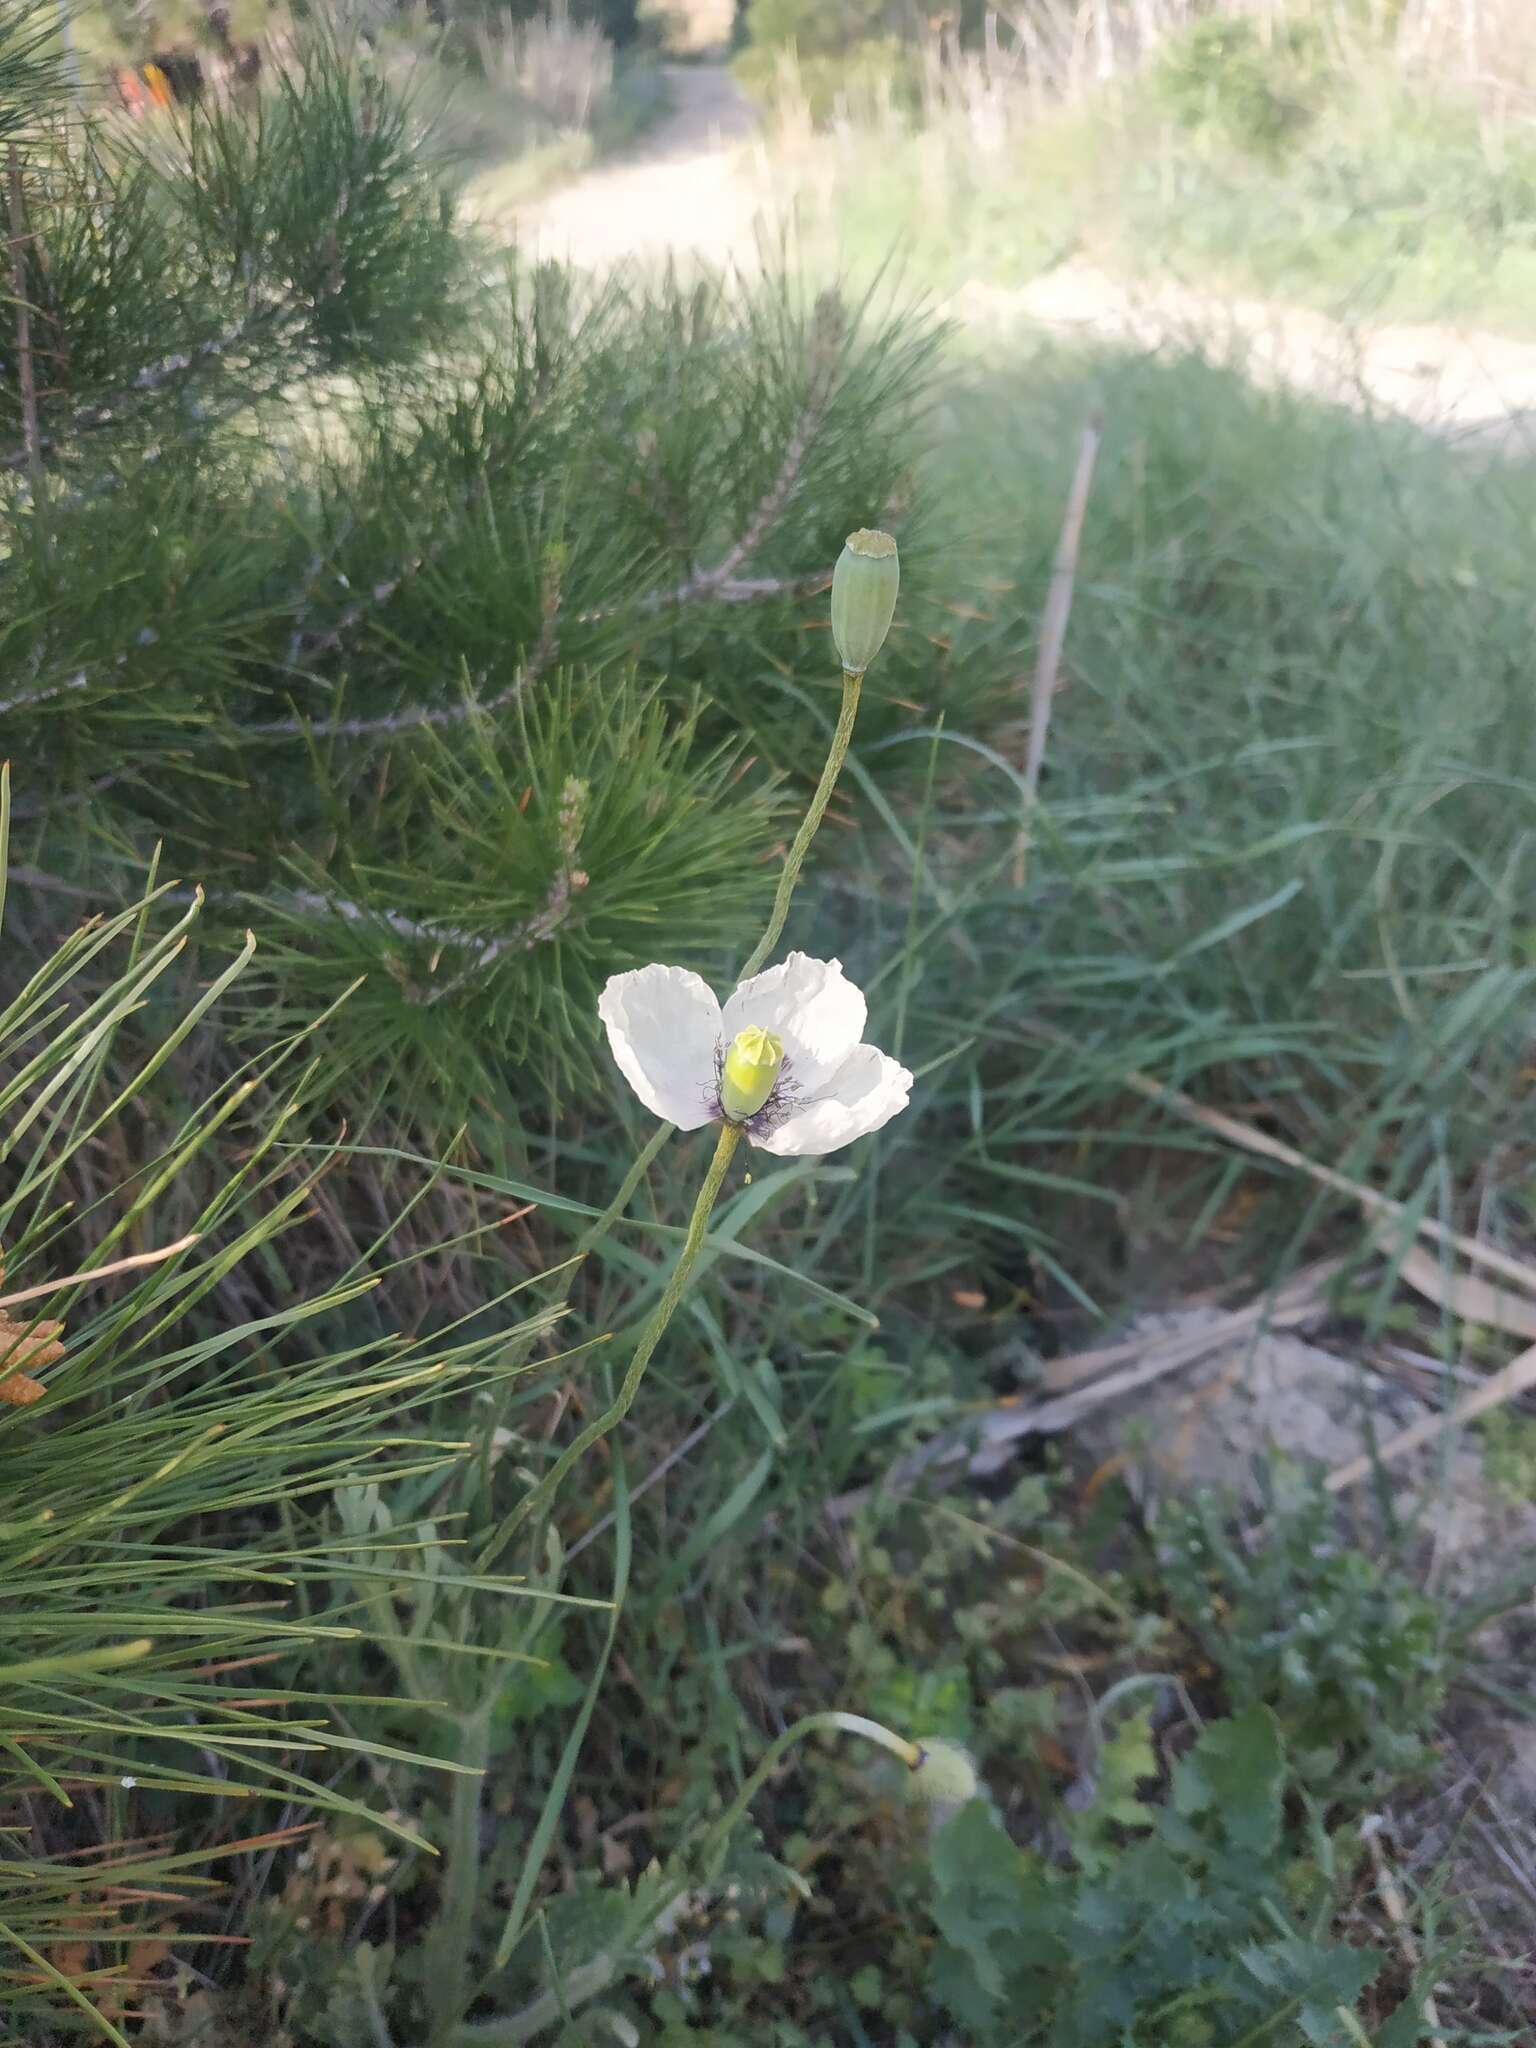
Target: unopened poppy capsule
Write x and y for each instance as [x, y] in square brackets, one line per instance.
[864, 587]
[750, 1068]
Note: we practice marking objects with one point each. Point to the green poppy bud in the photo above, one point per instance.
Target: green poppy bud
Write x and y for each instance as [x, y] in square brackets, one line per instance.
[751, 1068]
[864, 586]
[943, 1774]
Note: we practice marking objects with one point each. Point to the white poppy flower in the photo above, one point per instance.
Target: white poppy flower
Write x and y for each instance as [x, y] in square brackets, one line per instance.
[782, 1058]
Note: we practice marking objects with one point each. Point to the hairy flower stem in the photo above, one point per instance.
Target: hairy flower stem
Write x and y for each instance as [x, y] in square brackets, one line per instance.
[789, 875]
[666, 1308]
[794, 860]
[716, 1837]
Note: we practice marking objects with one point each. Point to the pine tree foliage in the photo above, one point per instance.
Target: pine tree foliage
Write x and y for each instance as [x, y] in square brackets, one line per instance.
[32, 74]
[403, 548]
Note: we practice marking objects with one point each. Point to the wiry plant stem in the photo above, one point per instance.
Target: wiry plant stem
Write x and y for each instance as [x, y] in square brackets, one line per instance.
[794, 860]
[597, 1231]
[461, 1881]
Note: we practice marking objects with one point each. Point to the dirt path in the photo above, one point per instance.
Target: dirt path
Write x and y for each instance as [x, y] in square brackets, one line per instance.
[696, 187]
[1473, 388]
[686, 190]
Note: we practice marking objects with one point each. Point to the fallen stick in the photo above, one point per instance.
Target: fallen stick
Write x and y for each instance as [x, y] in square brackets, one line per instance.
[1515, 1379]
[1390, 1894]
[1004, 1426]
[1236, 1132]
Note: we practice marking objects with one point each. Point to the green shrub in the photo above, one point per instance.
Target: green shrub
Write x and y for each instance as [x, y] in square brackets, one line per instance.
[855, 59]
[814, 29]
[1223, 76]
[1178, 1939]
[618, 20]
[1345, 1650]
[873, 78]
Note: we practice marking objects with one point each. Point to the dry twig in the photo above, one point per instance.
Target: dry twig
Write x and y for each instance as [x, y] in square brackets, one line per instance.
[1053, 630]
[1390, 1894]
[1143, 1360]
[1515, 1379]
[1236, 1132]
[25, 365]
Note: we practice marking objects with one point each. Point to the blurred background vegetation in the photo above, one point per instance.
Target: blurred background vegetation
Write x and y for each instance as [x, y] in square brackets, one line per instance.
[1366, 157]
[456, 623]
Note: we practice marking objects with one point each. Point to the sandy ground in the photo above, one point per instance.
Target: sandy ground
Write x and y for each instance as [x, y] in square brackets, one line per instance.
[688, 190]
[1476, 389]
[696, 189]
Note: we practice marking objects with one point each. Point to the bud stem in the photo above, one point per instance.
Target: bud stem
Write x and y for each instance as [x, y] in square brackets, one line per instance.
[794, 860]
[650, 1911]
[876, 1731]
[848, 1724]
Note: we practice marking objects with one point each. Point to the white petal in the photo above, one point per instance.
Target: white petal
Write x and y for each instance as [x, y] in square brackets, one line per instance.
[664, 1031]
[867, 1090]
[818, 1014]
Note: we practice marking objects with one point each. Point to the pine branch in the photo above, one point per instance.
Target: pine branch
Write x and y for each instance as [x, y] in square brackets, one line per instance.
[546, 921]
[753, 589]
[485, 951]
[538, 664]
[568, 882]
[709, 586]
[304, 647]
[533, 931]
[80, 680]
[36, 807]
[153, 377]
[77, 681]
[55, 885]
[828, 328]
[735, 590]
[415, 931]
